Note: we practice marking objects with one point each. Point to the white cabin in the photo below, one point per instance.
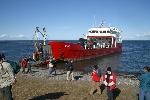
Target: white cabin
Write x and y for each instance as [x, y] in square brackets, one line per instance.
[104, 36]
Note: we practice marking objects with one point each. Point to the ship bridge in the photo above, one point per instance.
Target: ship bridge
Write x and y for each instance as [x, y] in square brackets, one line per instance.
[100, 32]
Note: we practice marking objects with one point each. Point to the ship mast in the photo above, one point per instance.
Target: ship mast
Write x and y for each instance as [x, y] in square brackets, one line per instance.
[44, 34]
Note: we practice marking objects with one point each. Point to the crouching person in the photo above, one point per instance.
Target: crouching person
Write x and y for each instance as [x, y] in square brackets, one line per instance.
[7, 79]
[109, 79]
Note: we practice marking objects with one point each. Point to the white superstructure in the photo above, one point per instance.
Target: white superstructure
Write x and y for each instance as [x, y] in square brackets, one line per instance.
[103, 37]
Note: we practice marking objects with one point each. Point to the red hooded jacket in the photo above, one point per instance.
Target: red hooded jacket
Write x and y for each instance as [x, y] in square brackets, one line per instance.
[95, 76]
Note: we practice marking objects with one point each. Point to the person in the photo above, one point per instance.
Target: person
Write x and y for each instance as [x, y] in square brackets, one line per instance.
[69, 68]
[51, 67]
[109, 80]
[23, 64]
[145, 84]
[95, 80]
[7, 79]
[54, 62]
[29, 70]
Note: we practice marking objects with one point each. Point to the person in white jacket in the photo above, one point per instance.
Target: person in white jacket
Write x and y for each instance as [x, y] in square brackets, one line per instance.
[7, 79]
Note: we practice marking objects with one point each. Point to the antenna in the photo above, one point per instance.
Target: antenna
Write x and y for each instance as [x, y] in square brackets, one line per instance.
[94, 24]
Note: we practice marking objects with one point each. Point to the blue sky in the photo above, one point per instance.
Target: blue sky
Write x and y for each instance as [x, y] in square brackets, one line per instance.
[70, 19]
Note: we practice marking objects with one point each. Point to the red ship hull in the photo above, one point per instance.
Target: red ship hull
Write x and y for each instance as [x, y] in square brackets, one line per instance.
[65, 50]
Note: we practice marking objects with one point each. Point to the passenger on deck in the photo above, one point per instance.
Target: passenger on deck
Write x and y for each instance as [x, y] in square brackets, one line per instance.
[145, 84]
[104, 44]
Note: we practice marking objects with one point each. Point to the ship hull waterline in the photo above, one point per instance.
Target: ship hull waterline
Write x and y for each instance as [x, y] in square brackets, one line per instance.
[74, 51]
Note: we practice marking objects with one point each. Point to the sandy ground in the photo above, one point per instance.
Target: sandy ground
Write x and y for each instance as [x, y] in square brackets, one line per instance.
[38, 86]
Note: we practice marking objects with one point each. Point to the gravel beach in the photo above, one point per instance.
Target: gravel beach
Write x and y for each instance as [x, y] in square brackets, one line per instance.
[38, 86]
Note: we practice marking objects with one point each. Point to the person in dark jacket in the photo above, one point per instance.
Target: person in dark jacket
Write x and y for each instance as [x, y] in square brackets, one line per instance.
[29, 65]
[69, 68]
[52, 67]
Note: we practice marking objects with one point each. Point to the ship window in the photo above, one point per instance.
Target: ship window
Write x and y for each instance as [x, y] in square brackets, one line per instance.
[93, 31]
[101, 31]
[108, 31]
[104, 31]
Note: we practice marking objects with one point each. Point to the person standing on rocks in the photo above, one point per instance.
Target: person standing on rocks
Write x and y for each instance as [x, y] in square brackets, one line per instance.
[145, 84]
[51, 67]
[29, 65]
[7, 79]
[24, 64]
[69, 67]
[109, 80]
[95, 81]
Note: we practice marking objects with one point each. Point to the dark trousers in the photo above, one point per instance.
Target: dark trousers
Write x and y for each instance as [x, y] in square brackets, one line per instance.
[29, 69]
[110, 94]
[6, 93]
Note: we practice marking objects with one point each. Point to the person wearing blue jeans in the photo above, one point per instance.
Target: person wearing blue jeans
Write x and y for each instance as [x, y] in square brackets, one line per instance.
[144, 94]
[145, 84]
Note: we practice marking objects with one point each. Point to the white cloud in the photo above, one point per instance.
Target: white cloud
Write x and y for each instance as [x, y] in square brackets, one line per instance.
[3, 36]
[13, 37]
[21, 35]
[17, 36]
[137, 36]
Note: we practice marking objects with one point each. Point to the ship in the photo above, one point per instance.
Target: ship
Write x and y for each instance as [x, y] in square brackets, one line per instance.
[97, 42]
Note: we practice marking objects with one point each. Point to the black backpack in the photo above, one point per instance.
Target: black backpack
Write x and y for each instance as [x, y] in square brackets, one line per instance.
[99, 72]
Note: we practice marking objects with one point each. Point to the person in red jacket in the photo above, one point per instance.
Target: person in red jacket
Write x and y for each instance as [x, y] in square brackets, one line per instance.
[95, 81]
[23, 64]
[109, 79]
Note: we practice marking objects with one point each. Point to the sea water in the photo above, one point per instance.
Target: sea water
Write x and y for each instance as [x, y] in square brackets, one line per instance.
[134, 56]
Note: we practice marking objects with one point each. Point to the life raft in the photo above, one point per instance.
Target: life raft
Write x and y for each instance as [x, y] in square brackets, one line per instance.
[36, 56]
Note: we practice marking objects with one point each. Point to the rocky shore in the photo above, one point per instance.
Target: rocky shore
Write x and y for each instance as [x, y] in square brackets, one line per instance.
[126, 79]
[38, 86]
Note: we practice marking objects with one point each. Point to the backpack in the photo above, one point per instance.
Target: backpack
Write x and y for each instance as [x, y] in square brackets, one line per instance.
[99, 72]
[15, 66]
